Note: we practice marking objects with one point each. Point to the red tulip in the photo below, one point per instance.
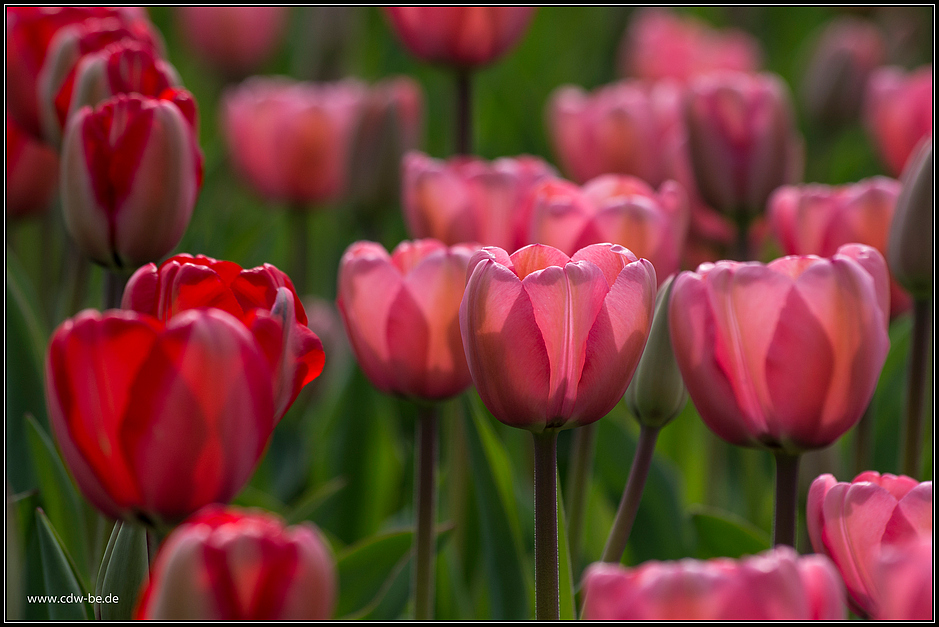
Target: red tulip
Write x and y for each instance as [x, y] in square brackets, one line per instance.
[784, 355]
[464, 37]
[904, 577]
[659, 44]
[552, 341]
[775, 585]
[853, 523]
[817, 219]
[400, 312]
[466, 199]
[156, 420]
[292, 140]
[263, 298]
[32, 173]
[235, 40]
[233, 564]
[618, 209]
[131, 171]
[898, 112]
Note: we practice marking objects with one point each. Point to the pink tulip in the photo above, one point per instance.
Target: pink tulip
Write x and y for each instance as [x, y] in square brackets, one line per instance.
[743, 140]
[464, 37]
[854, 523]
[292, 140]
[659, 44]
[784, 355]
[552, 341]
[32, 173]
[400, 312]
[898, 111]
[817, 219]
[618, 209]
[466, 199]
[775, 585]
[904, 578]
[233, 40]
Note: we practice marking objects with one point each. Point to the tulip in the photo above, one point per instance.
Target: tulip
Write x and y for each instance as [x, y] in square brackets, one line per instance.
[466, 199]
[898, 112]
[32, 173]
[659, 44]
[910, 247]
[855, 523]
[233, 40]
[464, 37]
[131, 171]
[817, 219]
[775, 585]
[612, 208]
[234, 564]
[156, 420]
[263, 298]
[904, 577]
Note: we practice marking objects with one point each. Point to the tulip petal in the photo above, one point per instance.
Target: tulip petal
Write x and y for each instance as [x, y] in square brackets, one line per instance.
[912, 519]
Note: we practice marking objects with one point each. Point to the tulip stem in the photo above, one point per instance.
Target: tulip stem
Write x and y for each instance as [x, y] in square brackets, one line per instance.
[742, 244]
[632, 495]
[911, 456]
[299, 248]
[114, 283]
[862, 441]
[464, 113]
[787, 498]
[425, 467]
[547, 599]
[578, 481]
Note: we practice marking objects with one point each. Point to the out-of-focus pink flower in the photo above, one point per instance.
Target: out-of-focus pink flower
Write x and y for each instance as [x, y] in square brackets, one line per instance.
[233, 40]
[743, 139]
[775, 585]
[898, 111]
[464, 37]
[466, 199]
[32, 173]
[233, 564]
[659, 44]
[903, 577]
[401, 315]
[910, 249]
[784, 355]
[817, 219]
[291, 139]
[853, 523]
[613, 208]
[552, 341]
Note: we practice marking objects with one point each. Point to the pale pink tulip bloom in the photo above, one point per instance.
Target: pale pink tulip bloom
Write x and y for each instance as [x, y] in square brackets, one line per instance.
[233, 40]
[903, 577]
[898, 111]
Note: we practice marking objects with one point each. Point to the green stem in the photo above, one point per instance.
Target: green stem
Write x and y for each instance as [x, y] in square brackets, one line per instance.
[114, 283]
[911, 455]
[632, 495]
[547, 599]
[787, 499]
[863, 433]
[299, 248]
[464, 113]
[424, 506]
[742, 250]
[578, 481]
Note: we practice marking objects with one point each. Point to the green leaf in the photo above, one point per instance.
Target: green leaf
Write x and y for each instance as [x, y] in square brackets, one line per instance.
[126, 572]
[58, 576]
[368, 569]
[723, 534]
[105, 559]
[565, 573]
[313, 499]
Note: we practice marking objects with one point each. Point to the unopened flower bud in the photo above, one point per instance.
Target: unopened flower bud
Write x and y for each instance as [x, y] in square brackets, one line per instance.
[909, 249]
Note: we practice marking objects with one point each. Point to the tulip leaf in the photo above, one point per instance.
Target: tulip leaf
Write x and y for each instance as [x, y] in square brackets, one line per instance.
[59, 578]
[105, 559]
[126, 572]
[367, 571]
[565, 572]
[313, 499]
[723, 534]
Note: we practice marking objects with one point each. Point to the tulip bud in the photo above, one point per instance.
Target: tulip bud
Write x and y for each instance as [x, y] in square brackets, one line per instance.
[233, 564]
[910, 248]
[898, 112]
[233, 40]
[32, 173]
[131, 171]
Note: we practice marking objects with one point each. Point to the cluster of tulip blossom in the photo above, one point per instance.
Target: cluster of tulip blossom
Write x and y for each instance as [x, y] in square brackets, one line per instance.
[545, 294]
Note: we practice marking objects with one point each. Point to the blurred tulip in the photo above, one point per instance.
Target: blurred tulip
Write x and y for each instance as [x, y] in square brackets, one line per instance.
[263, 298]
[659, 44]
[552, 341]
[464, 37]
[617, 209]
[466, 199]
[235, 40]
[131, 171]
[904, 577]
[898, 111]
[786, 355]
[775, 585]
[854, 523]
[844, 56]
[910, 247]
[156, 420]
[817, 219]
[233, 564]
[401, 315]
[32, 173]
[293, 140]
[743, 140]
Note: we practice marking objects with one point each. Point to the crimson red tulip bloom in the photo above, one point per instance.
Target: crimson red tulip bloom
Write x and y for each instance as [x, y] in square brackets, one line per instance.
[552, 341]
[156, 420]
[898, 112]
[263, 298]
[784, 355]
[775, 585]
[854, 523]
[32, 173]
[235, 40]
[234, 564]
